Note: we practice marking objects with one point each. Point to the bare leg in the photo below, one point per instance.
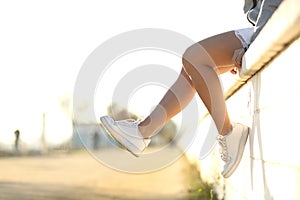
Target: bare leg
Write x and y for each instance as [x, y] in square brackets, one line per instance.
[202, 62]
[175, 100]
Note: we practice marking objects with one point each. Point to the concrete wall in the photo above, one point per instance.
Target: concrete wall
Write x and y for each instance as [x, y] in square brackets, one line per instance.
[271, 165]
[266, 96]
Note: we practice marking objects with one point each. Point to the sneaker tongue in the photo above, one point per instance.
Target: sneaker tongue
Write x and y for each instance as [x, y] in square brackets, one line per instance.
[133, 120]
[129, 120]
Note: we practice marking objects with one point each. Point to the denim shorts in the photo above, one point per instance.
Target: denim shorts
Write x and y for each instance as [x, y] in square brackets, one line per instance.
[245, 36]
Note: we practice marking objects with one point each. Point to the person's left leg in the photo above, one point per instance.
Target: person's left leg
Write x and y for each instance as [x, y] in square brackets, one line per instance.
[203, 62]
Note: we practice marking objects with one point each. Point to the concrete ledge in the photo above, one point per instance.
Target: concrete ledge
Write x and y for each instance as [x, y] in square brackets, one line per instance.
[269, 104]
[265, 96]
[284, 27]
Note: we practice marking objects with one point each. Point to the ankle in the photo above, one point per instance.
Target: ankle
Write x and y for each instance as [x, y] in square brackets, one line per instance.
[143, 132]
[226, 131]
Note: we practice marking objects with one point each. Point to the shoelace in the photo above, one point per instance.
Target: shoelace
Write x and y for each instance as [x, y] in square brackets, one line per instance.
[131, 122]
[223, 150]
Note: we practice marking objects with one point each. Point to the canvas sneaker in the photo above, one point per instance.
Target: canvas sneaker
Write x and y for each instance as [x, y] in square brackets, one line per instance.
[232, 147]
[126, 133]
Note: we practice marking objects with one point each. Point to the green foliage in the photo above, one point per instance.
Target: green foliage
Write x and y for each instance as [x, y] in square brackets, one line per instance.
[200, 190]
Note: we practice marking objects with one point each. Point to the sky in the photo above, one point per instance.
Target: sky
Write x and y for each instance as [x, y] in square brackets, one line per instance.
[43, 45]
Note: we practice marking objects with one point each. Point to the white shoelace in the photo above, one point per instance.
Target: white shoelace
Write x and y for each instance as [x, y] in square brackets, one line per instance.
[223, 150]
[131, 122]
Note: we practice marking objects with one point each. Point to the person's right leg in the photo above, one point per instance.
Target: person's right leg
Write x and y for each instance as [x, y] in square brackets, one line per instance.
[174, 101]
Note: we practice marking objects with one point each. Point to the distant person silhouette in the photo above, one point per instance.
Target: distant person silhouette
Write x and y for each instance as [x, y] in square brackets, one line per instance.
[17, 138]
[96, 140]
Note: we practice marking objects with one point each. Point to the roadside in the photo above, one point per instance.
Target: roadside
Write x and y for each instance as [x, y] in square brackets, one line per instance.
[79, 176]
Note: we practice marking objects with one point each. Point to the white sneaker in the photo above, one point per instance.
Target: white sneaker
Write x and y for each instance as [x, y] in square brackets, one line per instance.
[232, 147]
[126, 133]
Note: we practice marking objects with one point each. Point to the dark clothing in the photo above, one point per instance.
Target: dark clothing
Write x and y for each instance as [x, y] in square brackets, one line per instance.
[259, 12]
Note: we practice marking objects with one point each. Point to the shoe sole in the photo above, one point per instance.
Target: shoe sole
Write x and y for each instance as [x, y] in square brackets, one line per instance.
[109, 131]
[240, 155]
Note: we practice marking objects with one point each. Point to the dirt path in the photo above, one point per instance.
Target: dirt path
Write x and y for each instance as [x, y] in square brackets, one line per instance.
[79, 176]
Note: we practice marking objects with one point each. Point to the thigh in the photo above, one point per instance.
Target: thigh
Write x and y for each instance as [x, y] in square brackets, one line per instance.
[220, 49]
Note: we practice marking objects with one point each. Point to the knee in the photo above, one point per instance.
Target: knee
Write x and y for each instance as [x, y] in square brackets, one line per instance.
[195, 58]
[187, 59]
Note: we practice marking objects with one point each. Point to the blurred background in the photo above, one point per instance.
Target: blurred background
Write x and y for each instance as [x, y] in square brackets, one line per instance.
[44, 44]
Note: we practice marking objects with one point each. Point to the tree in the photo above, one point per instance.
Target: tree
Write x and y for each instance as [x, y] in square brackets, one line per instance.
[119, 113]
